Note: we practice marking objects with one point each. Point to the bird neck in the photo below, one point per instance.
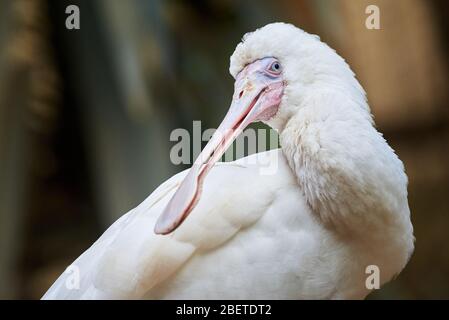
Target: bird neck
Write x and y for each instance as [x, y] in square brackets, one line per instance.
[350, 177]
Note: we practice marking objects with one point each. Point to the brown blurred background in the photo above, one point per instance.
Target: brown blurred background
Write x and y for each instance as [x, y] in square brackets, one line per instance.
[85, 115]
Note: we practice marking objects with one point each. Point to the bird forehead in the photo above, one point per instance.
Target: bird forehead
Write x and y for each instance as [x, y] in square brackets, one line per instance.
[255, 66]
[274, 39]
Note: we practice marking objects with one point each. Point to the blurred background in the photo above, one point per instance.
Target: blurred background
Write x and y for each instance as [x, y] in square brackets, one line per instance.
[86, 115]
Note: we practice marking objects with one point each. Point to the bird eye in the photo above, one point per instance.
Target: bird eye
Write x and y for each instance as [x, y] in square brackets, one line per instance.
[275, 67]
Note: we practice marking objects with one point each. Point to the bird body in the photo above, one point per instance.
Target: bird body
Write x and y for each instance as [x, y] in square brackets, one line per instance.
[335, 204]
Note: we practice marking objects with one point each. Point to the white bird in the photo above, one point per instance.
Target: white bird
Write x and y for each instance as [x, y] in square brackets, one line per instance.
[336, 203]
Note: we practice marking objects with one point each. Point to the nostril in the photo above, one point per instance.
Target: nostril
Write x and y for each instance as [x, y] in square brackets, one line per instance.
[241, 94]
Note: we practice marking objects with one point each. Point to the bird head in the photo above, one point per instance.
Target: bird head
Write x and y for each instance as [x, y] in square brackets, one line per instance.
[274, 68]
[308, 66]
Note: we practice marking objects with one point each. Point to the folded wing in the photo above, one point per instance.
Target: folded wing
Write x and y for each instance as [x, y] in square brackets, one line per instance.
[129, 259]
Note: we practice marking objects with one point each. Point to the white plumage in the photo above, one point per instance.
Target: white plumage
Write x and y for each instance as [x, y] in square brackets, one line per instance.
[336, 203]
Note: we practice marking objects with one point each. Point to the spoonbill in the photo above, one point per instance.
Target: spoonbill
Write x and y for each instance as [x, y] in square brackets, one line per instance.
[335, 206]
